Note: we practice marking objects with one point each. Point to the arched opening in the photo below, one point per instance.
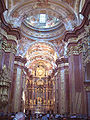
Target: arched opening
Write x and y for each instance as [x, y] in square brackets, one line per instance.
[40, 88]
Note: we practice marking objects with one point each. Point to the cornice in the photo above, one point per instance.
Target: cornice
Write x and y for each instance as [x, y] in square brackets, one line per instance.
[7, 27]
[79, 29]
[86, 9]
[8, 37]
[2, 7]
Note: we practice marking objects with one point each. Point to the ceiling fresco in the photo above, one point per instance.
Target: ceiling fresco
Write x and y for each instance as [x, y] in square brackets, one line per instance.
[41, 54]
[43, 24]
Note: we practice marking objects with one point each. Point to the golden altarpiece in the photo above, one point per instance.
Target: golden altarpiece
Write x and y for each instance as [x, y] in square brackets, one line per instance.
[40, 91]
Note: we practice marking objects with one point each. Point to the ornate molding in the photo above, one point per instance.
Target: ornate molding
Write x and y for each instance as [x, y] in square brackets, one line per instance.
[9, 37]
[19, 61]
[75, 49]
[87, 88]
[77, 39]
[79, 29]
[61, 60]
[4, 25]
[8, 46]
[80, 44]
[5, 75]
[86, 45]
[5, 83]
[87, 60]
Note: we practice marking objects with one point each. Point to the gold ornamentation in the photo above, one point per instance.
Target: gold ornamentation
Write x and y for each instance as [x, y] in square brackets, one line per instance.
[79, 47]
[87, 88]
[87, 30]
[86, 45]
[8, 47]
[5, 82]
[75, 49]
[9, 37]
[40, 72]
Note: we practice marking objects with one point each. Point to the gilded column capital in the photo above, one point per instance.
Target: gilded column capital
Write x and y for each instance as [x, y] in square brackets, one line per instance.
[86, 45]
[79, 44]
[86, 60]
[8, 46]
[75, 49]
[87, 30]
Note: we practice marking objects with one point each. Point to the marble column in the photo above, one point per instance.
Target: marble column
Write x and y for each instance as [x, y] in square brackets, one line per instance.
[19, 65]
[63, 85]
[76, 78]
[56, 94]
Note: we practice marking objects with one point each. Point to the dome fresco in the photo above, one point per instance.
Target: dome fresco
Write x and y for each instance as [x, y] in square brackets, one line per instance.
[39, 19]
[42, 21]
[41, 53]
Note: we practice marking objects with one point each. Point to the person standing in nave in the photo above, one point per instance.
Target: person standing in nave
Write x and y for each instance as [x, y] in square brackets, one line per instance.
[45, 117]
[19, 116]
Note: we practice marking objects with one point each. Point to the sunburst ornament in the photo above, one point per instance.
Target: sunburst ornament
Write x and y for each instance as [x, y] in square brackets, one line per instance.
[40, 72]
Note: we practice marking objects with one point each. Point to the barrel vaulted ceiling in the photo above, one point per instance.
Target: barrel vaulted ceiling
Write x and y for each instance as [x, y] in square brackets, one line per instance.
[43, 24]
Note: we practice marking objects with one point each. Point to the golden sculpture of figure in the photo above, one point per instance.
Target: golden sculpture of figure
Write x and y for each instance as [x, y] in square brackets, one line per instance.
[5, 73]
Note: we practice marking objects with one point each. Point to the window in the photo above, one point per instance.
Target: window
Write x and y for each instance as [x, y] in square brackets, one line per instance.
[42, 18]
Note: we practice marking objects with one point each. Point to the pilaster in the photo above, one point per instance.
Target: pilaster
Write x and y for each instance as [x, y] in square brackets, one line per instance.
[76, 79]
[63, 85]
[19, 66]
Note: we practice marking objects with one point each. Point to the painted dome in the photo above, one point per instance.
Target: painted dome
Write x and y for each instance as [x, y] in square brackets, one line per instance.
[42, 21]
